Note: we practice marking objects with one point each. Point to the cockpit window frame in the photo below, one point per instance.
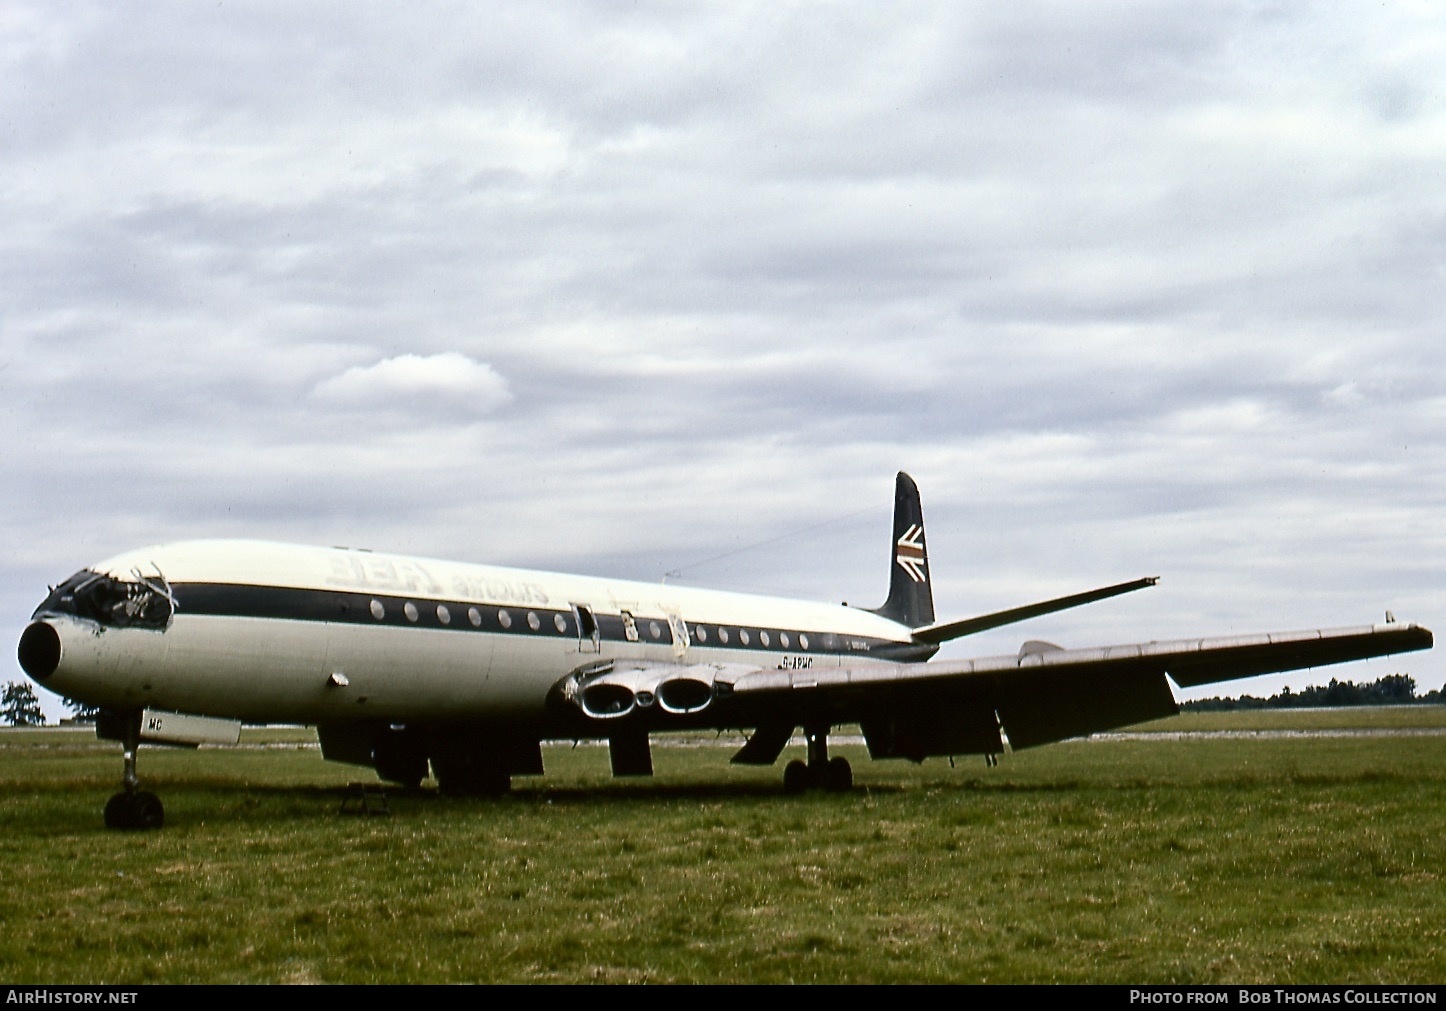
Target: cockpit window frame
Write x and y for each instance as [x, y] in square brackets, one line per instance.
[144, 601]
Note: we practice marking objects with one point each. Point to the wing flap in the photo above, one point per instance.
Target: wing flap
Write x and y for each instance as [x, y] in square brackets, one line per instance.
[920, 725]
[1047, 705]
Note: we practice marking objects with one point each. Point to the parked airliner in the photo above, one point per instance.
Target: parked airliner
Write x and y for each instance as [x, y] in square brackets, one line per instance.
[415, 666]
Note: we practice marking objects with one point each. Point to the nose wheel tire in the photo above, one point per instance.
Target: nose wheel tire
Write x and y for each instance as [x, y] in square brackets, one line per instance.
[138, 809]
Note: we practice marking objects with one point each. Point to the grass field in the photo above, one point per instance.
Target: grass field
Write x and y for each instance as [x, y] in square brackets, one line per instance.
[1228, 855]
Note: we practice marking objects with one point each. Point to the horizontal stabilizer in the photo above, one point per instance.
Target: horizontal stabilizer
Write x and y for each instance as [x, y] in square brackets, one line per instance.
[945, 631]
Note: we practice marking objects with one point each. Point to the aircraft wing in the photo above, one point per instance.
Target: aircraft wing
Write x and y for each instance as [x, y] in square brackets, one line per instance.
[1045, 693]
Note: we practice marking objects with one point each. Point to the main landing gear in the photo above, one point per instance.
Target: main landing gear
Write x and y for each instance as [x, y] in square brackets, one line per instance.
[132, 808]
[820, 772]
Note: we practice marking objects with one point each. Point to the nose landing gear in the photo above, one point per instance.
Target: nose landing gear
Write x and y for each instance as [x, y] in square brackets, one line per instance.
[132, 808]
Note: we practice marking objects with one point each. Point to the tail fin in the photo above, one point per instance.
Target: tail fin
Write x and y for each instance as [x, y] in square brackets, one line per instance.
[911, 598]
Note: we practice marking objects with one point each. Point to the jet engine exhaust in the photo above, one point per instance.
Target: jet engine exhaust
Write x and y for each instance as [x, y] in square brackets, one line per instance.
[607, 701]
[685, 695]
[674, 691]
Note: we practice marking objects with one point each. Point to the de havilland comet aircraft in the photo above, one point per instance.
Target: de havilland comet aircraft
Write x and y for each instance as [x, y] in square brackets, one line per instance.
[410, 665]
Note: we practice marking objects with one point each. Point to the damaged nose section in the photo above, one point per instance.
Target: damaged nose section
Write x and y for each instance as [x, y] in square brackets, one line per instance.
[39, 650]
[142, 601]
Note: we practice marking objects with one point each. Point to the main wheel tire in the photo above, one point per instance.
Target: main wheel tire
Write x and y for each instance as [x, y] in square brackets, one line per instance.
[838, 775]
[796, 778]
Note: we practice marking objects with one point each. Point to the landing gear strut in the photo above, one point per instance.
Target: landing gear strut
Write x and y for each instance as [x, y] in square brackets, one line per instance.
[133, 808]
[820, 772]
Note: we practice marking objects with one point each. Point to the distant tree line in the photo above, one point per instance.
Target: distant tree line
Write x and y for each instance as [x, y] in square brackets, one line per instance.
[1391, 690]
[20, 707]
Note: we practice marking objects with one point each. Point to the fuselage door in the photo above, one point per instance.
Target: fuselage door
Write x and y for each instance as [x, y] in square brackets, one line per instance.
[679, 628]
[588, 636]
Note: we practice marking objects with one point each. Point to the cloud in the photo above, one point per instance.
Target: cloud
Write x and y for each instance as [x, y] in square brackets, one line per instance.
[448, 381]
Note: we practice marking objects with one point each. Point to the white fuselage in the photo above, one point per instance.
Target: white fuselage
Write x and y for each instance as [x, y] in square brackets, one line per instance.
[270, 632]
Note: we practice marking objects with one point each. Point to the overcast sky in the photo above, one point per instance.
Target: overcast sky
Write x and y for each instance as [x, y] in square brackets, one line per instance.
[1131, 289]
